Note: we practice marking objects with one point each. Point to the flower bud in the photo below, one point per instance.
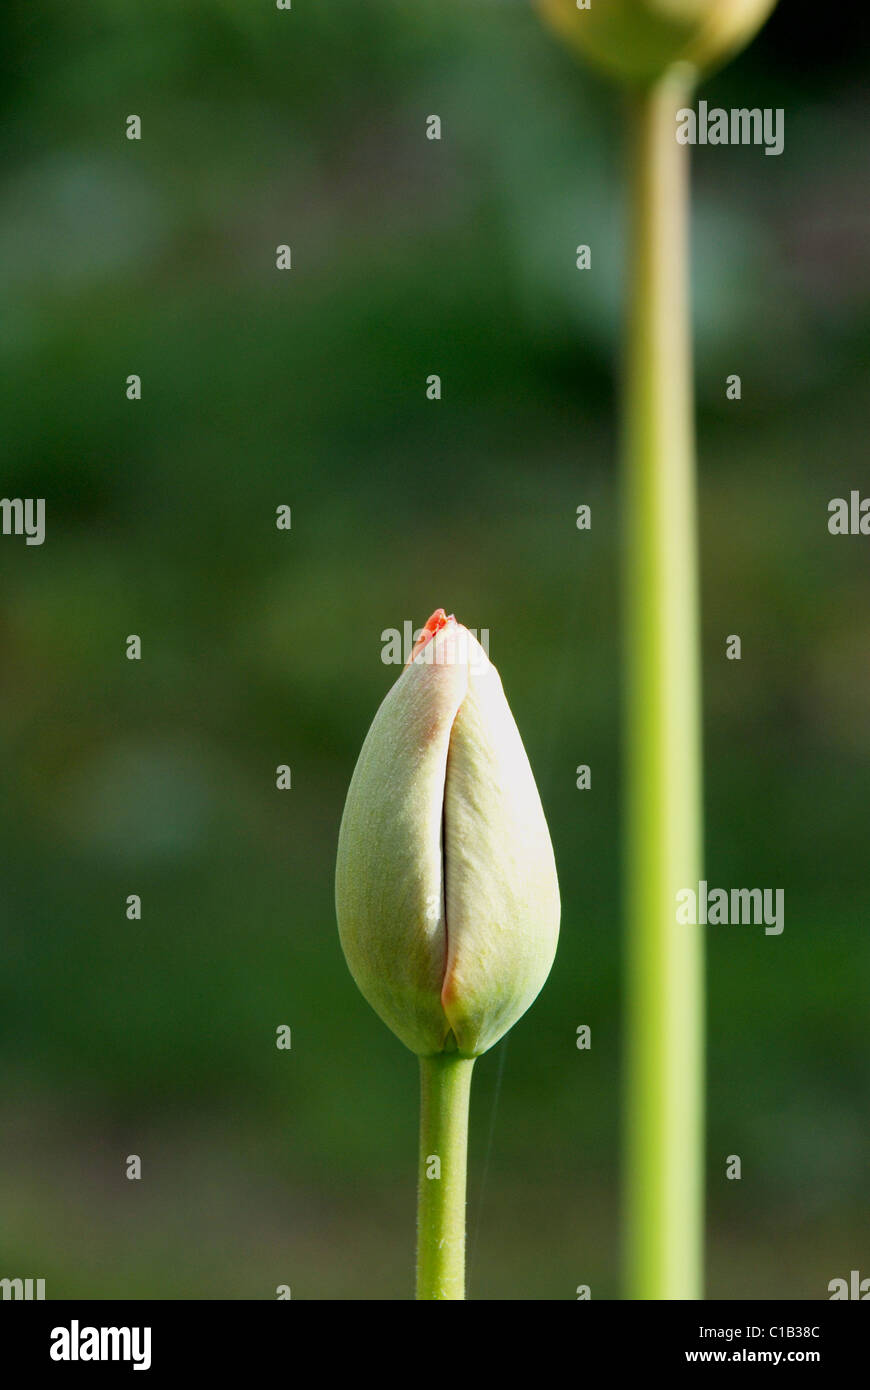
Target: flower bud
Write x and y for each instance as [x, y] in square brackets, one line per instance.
[446, 891]
[638, 40]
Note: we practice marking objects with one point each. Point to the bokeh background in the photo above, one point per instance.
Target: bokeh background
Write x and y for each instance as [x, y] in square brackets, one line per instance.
[263, 1167]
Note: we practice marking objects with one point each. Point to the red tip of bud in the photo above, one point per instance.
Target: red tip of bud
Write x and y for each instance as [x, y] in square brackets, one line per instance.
[434, 624]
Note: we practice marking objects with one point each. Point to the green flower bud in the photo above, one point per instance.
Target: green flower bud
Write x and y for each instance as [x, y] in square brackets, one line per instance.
[446, 891]
[638, 40]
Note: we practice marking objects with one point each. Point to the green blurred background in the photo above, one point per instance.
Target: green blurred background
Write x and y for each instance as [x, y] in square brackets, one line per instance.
[260, 388]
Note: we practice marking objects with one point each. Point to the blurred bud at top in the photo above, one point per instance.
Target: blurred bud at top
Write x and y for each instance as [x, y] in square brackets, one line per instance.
[637, 41]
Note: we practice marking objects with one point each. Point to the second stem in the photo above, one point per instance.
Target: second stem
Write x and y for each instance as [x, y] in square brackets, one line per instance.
[664, 984]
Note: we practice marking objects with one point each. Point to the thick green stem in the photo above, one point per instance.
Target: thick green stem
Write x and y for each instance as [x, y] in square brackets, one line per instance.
[445, 1086]
[665, 961]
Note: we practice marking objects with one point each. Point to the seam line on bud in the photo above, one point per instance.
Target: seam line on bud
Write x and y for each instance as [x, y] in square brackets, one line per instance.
[444, 865]
[444, 972]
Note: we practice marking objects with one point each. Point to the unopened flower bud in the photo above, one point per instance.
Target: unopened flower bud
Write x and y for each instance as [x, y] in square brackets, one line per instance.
[446, 890]
[638, 40]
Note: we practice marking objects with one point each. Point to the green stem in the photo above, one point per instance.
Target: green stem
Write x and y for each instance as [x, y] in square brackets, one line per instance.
[665, 961]
[445, 1086]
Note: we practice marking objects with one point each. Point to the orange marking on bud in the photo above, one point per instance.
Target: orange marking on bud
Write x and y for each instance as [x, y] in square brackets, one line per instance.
[434, 624]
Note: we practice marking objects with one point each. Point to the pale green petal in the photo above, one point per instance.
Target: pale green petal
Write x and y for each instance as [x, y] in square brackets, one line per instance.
[389, 891]
[502, 893]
